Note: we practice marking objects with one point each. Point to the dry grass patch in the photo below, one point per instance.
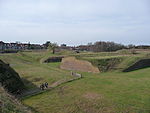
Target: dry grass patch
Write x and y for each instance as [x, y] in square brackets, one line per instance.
[92, 96]
[71, 63]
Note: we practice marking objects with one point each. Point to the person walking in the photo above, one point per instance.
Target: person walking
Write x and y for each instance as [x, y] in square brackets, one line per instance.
[46, 84]
[42, 86]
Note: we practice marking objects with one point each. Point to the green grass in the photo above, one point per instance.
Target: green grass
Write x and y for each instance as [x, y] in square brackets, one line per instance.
[112, 61]
[29, 67]
[117, 92]
[109, 92]
[11, 105]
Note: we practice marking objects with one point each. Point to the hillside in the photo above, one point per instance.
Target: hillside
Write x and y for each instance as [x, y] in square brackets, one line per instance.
[111, 91]
[71, 63]
[113, 61]
[9, 104]
[10, 79]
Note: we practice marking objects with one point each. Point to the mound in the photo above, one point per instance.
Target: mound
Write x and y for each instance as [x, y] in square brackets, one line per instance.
[10, 79]
[71, 63]
[138, 65]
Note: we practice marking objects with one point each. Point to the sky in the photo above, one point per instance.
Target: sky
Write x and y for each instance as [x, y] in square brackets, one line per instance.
[75, 22]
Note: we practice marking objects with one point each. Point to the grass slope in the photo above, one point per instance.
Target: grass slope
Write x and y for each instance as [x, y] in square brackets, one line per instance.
[112, 61]
[9, 104]
[29, 67]
[109, 92]
[99, 93]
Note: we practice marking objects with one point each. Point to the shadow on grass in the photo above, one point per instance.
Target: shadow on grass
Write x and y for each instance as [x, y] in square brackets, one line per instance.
[28, 84]
[141, 64]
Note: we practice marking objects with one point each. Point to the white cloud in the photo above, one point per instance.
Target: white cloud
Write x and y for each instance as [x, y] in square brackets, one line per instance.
[78, 21]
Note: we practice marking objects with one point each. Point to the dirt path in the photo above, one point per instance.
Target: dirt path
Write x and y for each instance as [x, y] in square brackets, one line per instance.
[37, 91]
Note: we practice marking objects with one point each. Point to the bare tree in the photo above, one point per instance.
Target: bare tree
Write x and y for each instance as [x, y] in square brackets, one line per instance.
[52, 46]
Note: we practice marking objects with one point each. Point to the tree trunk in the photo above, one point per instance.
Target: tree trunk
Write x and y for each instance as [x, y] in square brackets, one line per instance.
[53, 51]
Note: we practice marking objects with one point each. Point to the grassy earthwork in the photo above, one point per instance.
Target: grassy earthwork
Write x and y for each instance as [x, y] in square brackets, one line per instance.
[110, 91]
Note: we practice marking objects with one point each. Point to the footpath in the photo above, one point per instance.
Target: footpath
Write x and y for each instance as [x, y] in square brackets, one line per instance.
[37, 91]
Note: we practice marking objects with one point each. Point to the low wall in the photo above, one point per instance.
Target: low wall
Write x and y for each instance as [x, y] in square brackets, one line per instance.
[54, 59]
[9, 51]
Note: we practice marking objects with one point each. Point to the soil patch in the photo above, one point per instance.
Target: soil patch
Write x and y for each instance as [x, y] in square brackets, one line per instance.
[92, 96]
[71, 63]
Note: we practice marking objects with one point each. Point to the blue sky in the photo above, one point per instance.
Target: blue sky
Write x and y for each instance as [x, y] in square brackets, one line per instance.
[75, 21]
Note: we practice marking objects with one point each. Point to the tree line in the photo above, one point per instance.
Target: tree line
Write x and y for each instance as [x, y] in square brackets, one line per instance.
[102, 46]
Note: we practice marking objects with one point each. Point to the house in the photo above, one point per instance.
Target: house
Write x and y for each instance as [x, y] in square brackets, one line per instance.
[19, 46]
[7, 46]
[1, 45]
[82, 48]
[14, 46]
[65, 47]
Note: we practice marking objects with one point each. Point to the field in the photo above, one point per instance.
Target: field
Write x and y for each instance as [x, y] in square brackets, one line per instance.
[110, 91]
[32, 71]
